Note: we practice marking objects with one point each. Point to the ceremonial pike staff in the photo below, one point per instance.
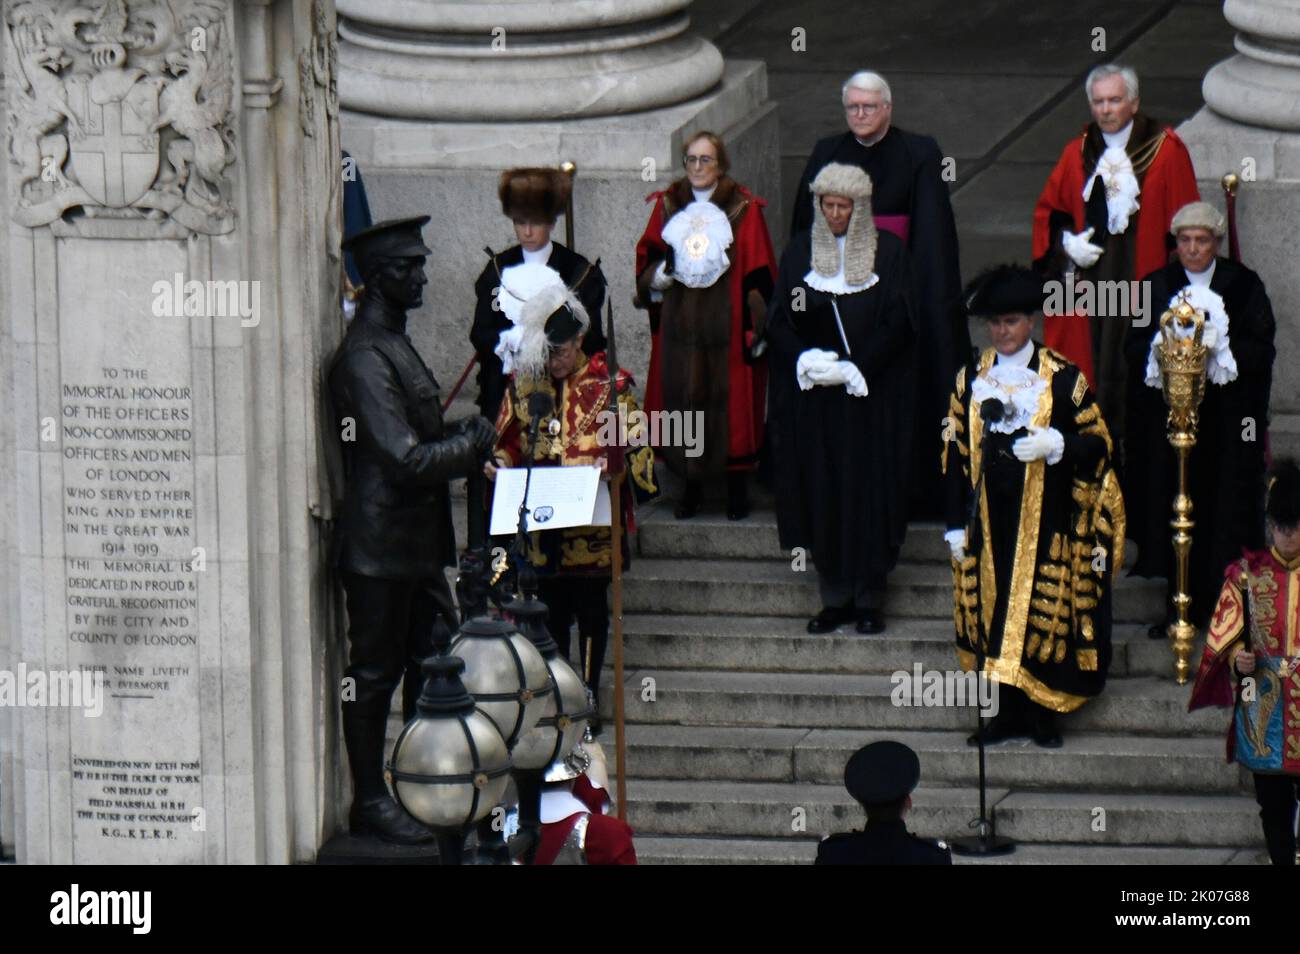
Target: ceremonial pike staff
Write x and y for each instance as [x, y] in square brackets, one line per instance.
[615, 459]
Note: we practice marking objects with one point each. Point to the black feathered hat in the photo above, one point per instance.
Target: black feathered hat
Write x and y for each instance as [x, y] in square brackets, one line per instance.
[1282, 502]
[1004, 290]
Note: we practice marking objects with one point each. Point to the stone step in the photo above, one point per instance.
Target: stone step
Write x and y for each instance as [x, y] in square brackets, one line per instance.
[757, 588]
[762, 810]
[1136, 706]
[711, 536]
[1088, 762]
[661, 850]
[782, 644]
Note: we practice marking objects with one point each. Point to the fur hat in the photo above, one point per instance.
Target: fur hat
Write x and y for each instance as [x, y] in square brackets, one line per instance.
[1199, 215]
[534, 194]
[860, 239]
[1282, 503]
[550, 317]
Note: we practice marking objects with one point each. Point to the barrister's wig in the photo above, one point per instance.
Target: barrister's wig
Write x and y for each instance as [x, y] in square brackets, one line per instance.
[1282, 503]
[1004, 290]
[860, 240]
[534, 194]
[1199, 215]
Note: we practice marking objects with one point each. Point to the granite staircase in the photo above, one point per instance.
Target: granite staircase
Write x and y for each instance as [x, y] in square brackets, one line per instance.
[740, 722]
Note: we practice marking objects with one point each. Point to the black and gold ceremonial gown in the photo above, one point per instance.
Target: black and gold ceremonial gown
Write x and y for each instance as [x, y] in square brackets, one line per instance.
[1033, 592]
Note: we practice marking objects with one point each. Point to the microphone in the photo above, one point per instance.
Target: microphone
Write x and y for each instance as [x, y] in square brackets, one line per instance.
[540, 404]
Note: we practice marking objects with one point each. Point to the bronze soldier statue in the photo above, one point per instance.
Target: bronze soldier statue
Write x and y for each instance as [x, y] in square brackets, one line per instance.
[394, 535]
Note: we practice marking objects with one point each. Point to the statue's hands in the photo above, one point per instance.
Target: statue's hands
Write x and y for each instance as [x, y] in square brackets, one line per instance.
[479, 430]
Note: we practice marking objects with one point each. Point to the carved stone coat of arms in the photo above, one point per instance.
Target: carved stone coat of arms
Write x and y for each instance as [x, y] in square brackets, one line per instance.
[121, 109]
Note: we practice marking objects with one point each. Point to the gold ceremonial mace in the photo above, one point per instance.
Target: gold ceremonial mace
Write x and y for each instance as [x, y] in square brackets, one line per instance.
[571, 171]
[1182, 379]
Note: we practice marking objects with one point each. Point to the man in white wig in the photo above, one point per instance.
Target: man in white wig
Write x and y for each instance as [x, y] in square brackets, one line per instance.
[843, 367]
[909, 198]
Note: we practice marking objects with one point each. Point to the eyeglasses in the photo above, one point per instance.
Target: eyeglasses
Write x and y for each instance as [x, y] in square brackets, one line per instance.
[863, 109]
[702, 161]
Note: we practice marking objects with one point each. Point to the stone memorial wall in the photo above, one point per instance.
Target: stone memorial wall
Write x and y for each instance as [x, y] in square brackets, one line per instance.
[170, 292]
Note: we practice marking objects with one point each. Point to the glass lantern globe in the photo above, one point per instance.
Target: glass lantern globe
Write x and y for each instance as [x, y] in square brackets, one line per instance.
[450, 765]
[505, 673]
[566, 711]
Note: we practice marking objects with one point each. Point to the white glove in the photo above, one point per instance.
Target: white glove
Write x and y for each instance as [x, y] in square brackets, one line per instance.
[956, 540]
[1042, 443]
[814, 360]
[839, 372]
[1080, 249]
[854, 382]
[661, 280]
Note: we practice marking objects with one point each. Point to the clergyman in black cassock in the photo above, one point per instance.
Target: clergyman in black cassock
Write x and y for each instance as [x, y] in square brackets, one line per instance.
[1226, 466]
[843, 363]
[909, 198]
[1033, 561]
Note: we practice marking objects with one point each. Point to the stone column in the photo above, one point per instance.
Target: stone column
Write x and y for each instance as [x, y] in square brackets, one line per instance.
[439, 97]
[170, 290]
[1251, 126]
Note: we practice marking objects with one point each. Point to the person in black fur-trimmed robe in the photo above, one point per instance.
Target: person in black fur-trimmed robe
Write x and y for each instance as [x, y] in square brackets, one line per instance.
[1225, 468]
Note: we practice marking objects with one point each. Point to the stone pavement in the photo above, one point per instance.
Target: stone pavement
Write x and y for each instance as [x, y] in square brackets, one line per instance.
[999, 84]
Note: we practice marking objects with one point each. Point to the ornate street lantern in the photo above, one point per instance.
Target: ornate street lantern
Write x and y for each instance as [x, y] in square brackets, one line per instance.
[450, 765]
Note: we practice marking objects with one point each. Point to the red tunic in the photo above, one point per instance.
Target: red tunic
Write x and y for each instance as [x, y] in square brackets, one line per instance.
[1275, 584]
[750, 251]
[608, 841]
[1168, 185]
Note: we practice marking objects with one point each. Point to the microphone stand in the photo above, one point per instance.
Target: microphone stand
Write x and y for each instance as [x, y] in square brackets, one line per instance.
[524, 574]
[987, 842]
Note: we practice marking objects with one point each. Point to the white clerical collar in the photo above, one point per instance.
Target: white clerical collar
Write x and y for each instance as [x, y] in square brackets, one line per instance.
[704, 195]
[1202, 278]
[1119, 138]
[1020, 359]
[874, 142]
[539, 257]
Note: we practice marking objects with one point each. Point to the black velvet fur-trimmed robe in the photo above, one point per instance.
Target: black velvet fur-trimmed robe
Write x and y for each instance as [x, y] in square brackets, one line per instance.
[1033, 593]
[1226, 467]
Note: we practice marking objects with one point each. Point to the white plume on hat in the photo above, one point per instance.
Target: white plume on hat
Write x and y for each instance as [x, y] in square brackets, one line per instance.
[523, 348]
[860, 239]
[520, 283]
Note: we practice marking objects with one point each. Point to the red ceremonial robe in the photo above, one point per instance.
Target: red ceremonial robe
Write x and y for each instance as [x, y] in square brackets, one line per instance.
[1168, 184]
[1275, 584]
[753, 265]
